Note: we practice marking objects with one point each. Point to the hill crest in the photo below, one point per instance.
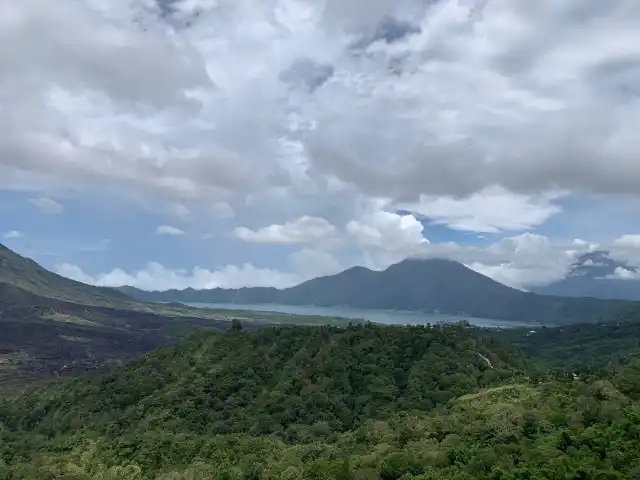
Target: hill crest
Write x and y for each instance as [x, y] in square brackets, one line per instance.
[28, 275]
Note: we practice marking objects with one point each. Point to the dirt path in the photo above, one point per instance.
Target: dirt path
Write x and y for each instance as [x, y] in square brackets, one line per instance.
[485, 359]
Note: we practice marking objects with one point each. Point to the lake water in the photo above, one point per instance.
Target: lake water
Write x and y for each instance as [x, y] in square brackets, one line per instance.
[390, 317]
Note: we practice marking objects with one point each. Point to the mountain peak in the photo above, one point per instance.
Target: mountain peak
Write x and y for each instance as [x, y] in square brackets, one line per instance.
[596, 265]
[591, 275]
[426, 264]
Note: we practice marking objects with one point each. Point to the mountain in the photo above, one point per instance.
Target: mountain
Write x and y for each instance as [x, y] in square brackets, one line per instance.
[28, 275]
[588, 277]
[360, 403]
[50, 325]
[430, 285]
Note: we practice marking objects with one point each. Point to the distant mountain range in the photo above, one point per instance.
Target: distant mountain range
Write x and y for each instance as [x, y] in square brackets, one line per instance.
[431, 285]
[590, 277]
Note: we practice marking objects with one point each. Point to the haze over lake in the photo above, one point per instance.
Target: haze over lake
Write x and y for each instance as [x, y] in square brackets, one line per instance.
[390, 317]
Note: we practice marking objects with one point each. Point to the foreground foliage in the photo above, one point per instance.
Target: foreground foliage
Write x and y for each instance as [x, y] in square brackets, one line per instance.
[325, 403]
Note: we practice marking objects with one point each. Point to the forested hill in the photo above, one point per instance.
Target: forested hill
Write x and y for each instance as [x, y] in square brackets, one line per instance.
[327, 403]
[414, 284]
[278, 381]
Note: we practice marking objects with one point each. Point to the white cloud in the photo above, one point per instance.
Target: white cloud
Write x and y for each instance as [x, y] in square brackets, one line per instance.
[312, 263]
[626, 249]
[621, 273]
[386, 237]
[13, 234]
[158, 277]
[169, 231]
[491, 210]
[522, 261]
[627, 241]
[303, 230]
[47, 205]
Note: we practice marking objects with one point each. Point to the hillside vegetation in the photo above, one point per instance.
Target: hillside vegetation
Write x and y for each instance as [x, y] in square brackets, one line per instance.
[585, 348]
[365, 402]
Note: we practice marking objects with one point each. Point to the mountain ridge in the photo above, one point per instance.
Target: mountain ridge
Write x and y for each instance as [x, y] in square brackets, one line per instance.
[429, 285]
[28, 275]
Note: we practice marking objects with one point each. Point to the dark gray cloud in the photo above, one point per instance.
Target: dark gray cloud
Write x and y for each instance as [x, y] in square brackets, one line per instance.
[306, 73]
[390, 30]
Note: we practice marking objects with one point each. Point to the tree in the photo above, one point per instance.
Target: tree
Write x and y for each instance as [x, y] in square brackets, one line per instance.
[236, 325]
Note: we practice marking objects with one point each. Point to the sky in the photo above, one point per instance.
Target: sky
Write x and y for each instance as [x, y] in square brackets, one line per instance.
[227, 143]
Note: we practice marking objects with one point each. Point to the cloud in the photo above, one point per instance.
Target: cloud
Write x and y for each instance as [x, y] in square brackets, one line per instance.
[533, 99]
[169, 231]
[522, 261]
[303, 230]
[489, 211]
[310, 263]
[627, 241]
[158, 277]
[78, 43]
[13, 234]
[386, 237]
[621, 273]
[383, 237]
[47, 205]
[529, 98]
[626, 249]
[485, 116]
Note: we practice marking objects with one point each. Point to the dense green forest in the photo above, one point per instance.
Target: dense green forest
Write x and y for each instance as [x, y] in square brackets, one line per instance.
[582, 348]
[363, 402]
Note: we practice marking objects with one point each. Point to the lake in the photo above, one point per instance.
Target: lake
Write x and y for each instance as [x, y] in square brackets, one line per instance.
[390, 317]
